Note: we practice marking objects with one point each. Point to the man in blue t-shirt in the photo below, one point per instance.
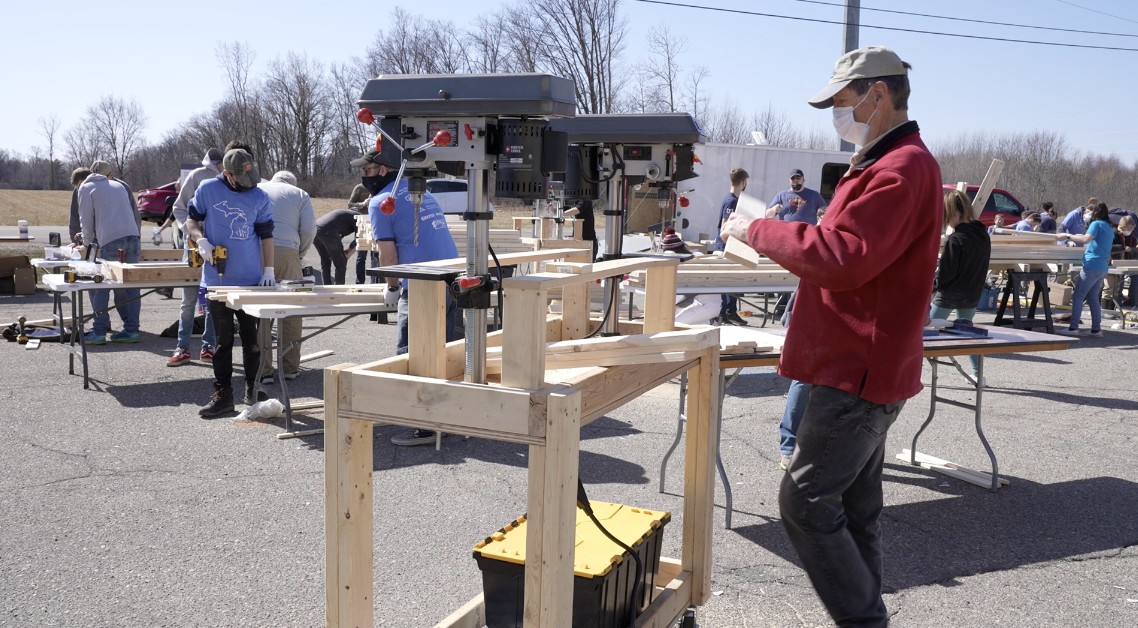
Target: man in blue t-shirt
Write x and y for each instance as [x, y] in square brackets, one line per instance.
[798, 204]
[231, 211]
[1047, 223]
[394, 234]
[729, 303]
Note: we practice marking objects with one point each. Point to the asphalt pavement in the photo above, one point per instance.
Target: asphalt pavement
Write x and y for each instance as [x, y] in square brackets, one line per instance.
[120, 507]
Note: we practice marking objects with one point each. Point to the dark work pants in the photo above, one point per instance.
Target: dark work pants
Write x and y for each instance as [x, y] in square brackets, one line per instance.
[331, 250]
[830, 500]
[361, 265]
[223, 356]
[730, 305]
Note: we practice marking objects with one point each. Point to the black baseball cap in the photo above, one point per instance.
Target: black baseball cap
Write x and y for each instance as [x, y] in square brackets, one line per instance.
[370, 157]
[796, 173]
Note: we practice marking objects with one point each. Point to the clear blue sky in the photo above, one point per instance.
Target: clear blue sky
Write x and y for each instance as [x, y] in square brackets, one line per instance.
[61, 56]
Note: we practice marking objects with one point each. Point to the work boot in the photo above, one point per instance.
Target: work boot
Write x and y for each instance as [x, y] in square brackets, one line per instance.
[220, 403]
[735, 319]
[251, 398]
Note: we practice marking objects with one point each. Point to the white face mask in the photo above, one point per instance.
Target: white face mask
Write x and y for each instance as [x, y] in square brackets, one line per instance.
[850, 129]
[1086, 217]
[1127, 233]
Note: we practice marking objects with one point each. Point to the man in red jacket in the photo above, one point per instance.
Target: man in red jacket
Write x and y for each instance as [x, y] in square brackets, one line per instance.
[856, 333]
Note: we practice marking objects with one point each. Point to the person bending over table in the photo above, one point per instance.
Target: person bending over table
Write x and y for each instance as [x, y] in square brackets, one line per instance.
[231, 211]
[1096, 264]
[856, 334]
[963, 266]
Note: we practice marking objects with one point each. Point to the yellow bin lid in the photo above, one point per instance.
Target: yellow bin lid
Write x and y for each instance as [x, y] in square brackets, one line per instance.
[595, 554]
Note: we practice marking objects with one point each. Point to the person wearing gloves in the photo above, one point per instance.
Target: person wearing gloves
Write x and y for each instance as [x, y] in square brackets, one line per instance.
[211, 167]
[107, 216]
[294, 227]
[395, 235]
[963, 266]
[231, 211]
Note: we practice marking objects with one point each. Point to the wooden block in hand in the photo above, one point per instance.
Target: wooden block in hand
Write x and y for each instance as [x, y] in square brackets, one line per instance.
[740, 252]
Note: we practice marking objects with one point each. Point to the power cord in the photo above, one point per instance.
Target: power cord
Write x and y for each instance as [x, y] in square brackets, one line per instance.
[498, 267]
[583, 504]
[608, 310]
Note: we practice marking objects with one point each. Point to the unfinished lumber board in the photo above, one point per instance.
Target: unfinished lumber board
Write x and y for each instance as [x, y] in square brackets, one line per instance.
[388, 397]
[608, 388]
[986, 186]
[977, 477]
[601, 270]
[170, 255]
[348, 507]
[511, 259]
[279, 297]
[151, 271]
[469, 615]
[1022, 235]
[660, 299]
[699, 482]
[523, 358]
[316, 356]
[740, 252]
[669, 604]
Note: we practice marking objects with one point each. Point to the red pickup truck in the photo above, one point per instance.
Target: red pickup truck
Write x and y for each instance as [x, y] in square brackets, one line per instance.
[1000, 202]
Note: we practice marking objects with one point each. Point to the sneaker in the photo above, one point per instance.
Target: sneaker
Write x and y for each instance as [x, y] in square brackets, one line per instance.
[718, 321]
[249, 397]
[207, 354]
[180, 357]
[735, 319]
[92, 338]
[784, 461]
[220, 403]
[268, 380]
[413, 437]
[125, 336]
[1095, 333]
[291, 376]
[1070, 332]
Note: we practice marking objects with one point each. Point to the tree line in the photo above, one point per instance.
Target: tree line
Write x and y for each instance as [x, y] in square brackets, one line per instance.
[298, 113]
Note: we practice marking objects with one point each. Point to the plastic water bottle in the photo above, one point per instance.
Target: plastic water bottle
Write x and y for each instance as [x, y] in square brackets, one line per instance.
[201, 300]
[75, 253]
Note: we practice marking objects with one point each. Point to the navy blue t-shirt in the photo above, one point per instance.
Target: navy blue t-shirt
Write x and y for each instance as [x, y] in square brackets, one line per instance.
[798, 206]
[1047, 224]
[730, 202]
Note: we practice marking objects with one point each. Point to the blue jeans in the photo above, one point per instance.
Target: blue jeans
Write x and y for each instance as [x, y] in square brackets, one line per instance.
[792, 416]
[729, 304]
[452, 330]
[186, 316]
[965, 316]
[131, 246]
[1088, 289]
[831, 498]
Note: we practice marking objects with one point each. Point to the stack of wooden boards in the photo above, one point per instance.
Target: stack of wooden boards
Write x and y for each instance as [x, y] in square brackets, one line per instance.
[714, 271]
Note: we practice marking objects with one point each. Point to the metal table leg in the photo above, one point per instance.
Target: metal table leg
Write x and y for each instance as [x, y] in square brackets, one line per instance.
[679, 430]
[723, 384]
[77, 323]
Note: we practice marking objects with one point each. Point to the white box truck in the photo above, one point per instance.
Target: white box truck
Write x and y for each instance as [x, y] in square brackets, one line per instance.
[769, 169]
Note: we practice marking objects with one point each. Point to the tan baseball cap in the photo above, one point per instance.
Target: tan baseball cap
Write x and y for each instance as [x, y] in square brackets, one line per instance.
[101, 167]
[866, 62]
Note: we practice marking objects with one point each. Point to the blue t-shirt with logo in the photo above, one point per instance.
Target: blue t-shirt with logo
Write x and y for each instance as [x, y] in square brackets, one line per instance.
[798, 206]
[238, 221]
[1097, 255]
[726, 208]
[435, 241]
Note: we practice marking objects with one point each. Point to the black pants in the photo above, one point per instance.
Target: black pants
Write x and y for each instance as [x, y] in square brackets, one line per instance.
[361, 265]
[830, 500]
[331, 253]
[222, 318]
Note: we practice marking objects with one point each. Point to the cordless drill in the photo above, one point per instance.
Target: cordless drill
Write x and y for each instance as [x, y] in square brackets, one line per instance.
[218, 261]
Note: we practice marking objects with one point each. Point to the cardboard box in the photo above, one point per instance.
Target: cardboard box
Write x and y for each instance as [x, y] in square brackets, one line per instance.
[24, 281]
[1060, 294]
[8, 265]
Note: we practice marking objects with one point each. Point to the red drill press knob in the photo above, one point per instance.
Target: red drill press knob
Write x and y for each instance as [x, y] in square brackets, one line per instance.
[442, 138]
[684, 202]
[469, 132]
[364, 115]
[387, 205]
[379, 144]
[466, 283]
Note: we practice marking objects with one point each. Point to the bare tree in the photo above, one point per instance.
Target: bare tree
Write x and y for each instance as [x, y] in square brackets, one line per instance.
[118, 126]
[777, 127]
[296, 100]
[82, 144]
[486, 47]
[663, 65]
[697, 98]
[584, 38]
[49, 128]
[236, 60]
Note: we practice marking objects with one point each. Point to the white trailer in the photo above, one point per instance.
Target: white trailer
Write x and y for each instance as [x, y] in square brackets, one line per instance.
[769, 169]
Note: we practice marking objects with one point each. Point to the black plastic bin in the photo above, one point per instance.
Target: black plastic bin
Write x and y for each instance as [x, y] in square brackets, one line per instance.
[604, 574]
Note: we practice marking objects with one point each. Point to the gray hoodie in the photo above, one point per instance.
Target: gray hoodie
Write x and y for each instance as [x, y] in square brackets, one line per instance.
[209, 170]
[294, 223]
[106, 212]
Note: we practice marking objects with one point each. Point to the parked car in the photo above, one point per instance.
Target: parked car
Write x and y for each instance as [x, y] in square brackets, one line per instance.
[451, 195]
[155, 204]
[1000, 202]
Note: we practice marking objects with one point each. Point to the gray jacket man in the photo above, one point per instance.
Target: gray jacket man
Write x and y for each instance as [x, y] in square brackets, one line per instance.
[211, 167]
[294, 227]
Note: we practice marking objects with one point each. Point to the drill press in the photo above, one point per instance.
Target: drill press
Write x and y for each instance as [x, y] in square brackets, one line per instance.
[493, 129]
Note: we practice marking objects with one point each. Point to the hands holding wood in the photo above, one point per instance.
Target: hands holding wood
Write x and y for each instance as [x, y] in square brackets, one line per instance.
[736, 226]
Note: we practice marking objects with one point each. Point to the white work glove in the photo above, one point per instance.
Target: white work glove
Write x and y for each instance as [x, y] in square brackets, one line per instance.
[206, 249]
[391, 296]
[267, 278]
